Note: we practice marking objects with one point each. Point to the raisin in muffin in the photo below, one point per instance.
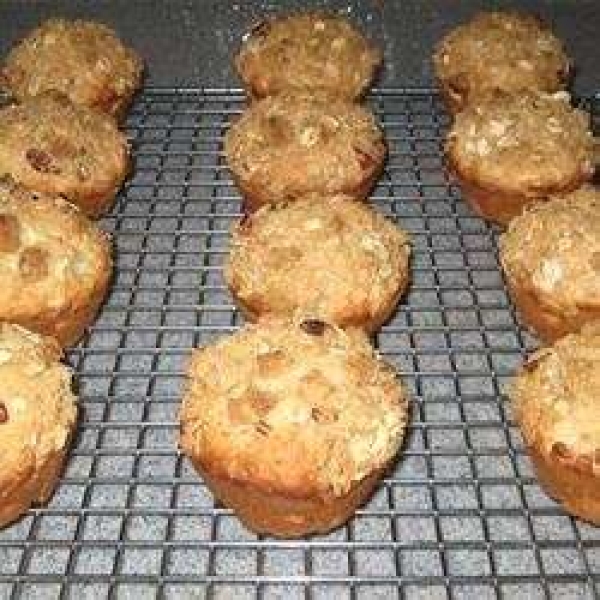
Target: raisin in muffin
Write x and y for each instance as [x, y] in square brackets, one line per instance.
[37, 419]
[55, 264]
[505, 51]
[285, 146]
[82, 59]
[307, 51]
[551, 260]
[49, 144]
[509, 151]
[326, 258]
[292, 423]
[555, 399]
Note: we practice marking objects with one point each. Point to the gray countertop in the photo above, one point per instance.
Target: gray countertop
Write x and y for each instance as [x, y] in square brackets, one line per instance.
[187, 43]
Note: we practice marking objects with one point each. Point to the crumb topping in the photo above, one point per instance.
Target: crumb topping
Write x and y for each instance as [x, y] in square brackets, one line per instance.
[71, 149]
[527, 143]
[49, 251]
[555, 247]
[501, 51]
[296, 143]
[327, 257]
[82, 59]
[556, 398]
[307, 51]
[294, 405]
[37, 406]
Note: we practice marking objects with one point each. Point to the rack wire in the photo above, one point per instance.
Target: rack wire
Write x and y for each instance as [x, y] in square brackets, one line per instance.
[461, 516]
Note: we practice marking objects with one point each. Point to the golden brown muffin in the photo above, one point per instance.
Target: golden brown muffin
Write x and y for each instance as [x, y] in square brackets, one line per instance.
[292, 423]
[506, 51]
[55, 264]
[307, 51]
[326, 258]
[551, 260]
[285, 146]
[37, 418]
[555, 398]
[81, 59]
[48, 144]
[509, 151]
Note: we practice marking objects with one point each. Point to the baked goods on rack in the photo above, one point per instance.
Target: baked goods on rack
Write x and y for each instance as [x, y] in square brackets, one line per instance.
[306, 51]
[555, 399]
[292, 423]
[48, 144]
[506, 51]
[328, 258]
[288, 145]
[82, 59]
[37, 419]
[551, 260]
[508, 151]
[55, 264]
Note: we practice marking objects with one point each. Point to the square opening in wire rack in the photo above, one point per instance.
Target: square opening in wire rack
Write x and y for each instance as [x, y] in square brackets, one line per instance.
[461, 515]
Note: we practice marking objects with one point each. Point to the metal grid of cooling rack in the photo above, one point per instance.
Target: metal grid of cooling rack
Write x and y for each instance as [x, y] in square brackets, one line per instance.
[460, 517]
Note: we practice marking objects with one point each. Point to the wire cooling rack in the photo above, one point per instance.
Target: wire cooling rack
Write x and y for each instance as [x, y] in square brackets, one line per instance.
[460, 517]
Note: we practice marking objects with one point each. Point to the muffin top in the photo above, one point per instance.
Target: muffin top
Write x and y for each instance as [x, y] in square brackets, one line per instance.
[51, 144]
[308, 257]
[295, 143]
[301, 407]
[528, 144]
[310, 50]
[554, 247]
[555, 399]
[501, 51]
[37, 406]
[82, 59]
[50, 253]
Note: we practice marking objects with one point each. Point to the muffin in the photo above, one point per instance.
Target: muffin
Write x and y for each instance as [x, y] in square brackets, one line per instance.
[509, 151]
[555, 398]
[306, 51]
[292, 423]
[55, 264]
[37, 418]
[81, 59]
[48, 144]
[326, 258]
[288, 145]
[551, 260]
[506, 51]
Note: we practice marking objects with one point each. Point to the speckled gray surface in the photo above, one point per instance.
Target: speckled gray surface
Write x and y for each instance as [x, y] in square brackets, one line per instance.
[460, 516]
[188, 42]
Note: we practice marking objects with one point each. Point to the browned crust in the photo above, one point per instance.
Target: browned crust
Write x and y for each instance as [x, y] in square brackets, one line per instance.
[570, 481]
[253, 310]
[547, 323]
[29, 486]
[454, 101]
[286, 515]
[498, 205]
